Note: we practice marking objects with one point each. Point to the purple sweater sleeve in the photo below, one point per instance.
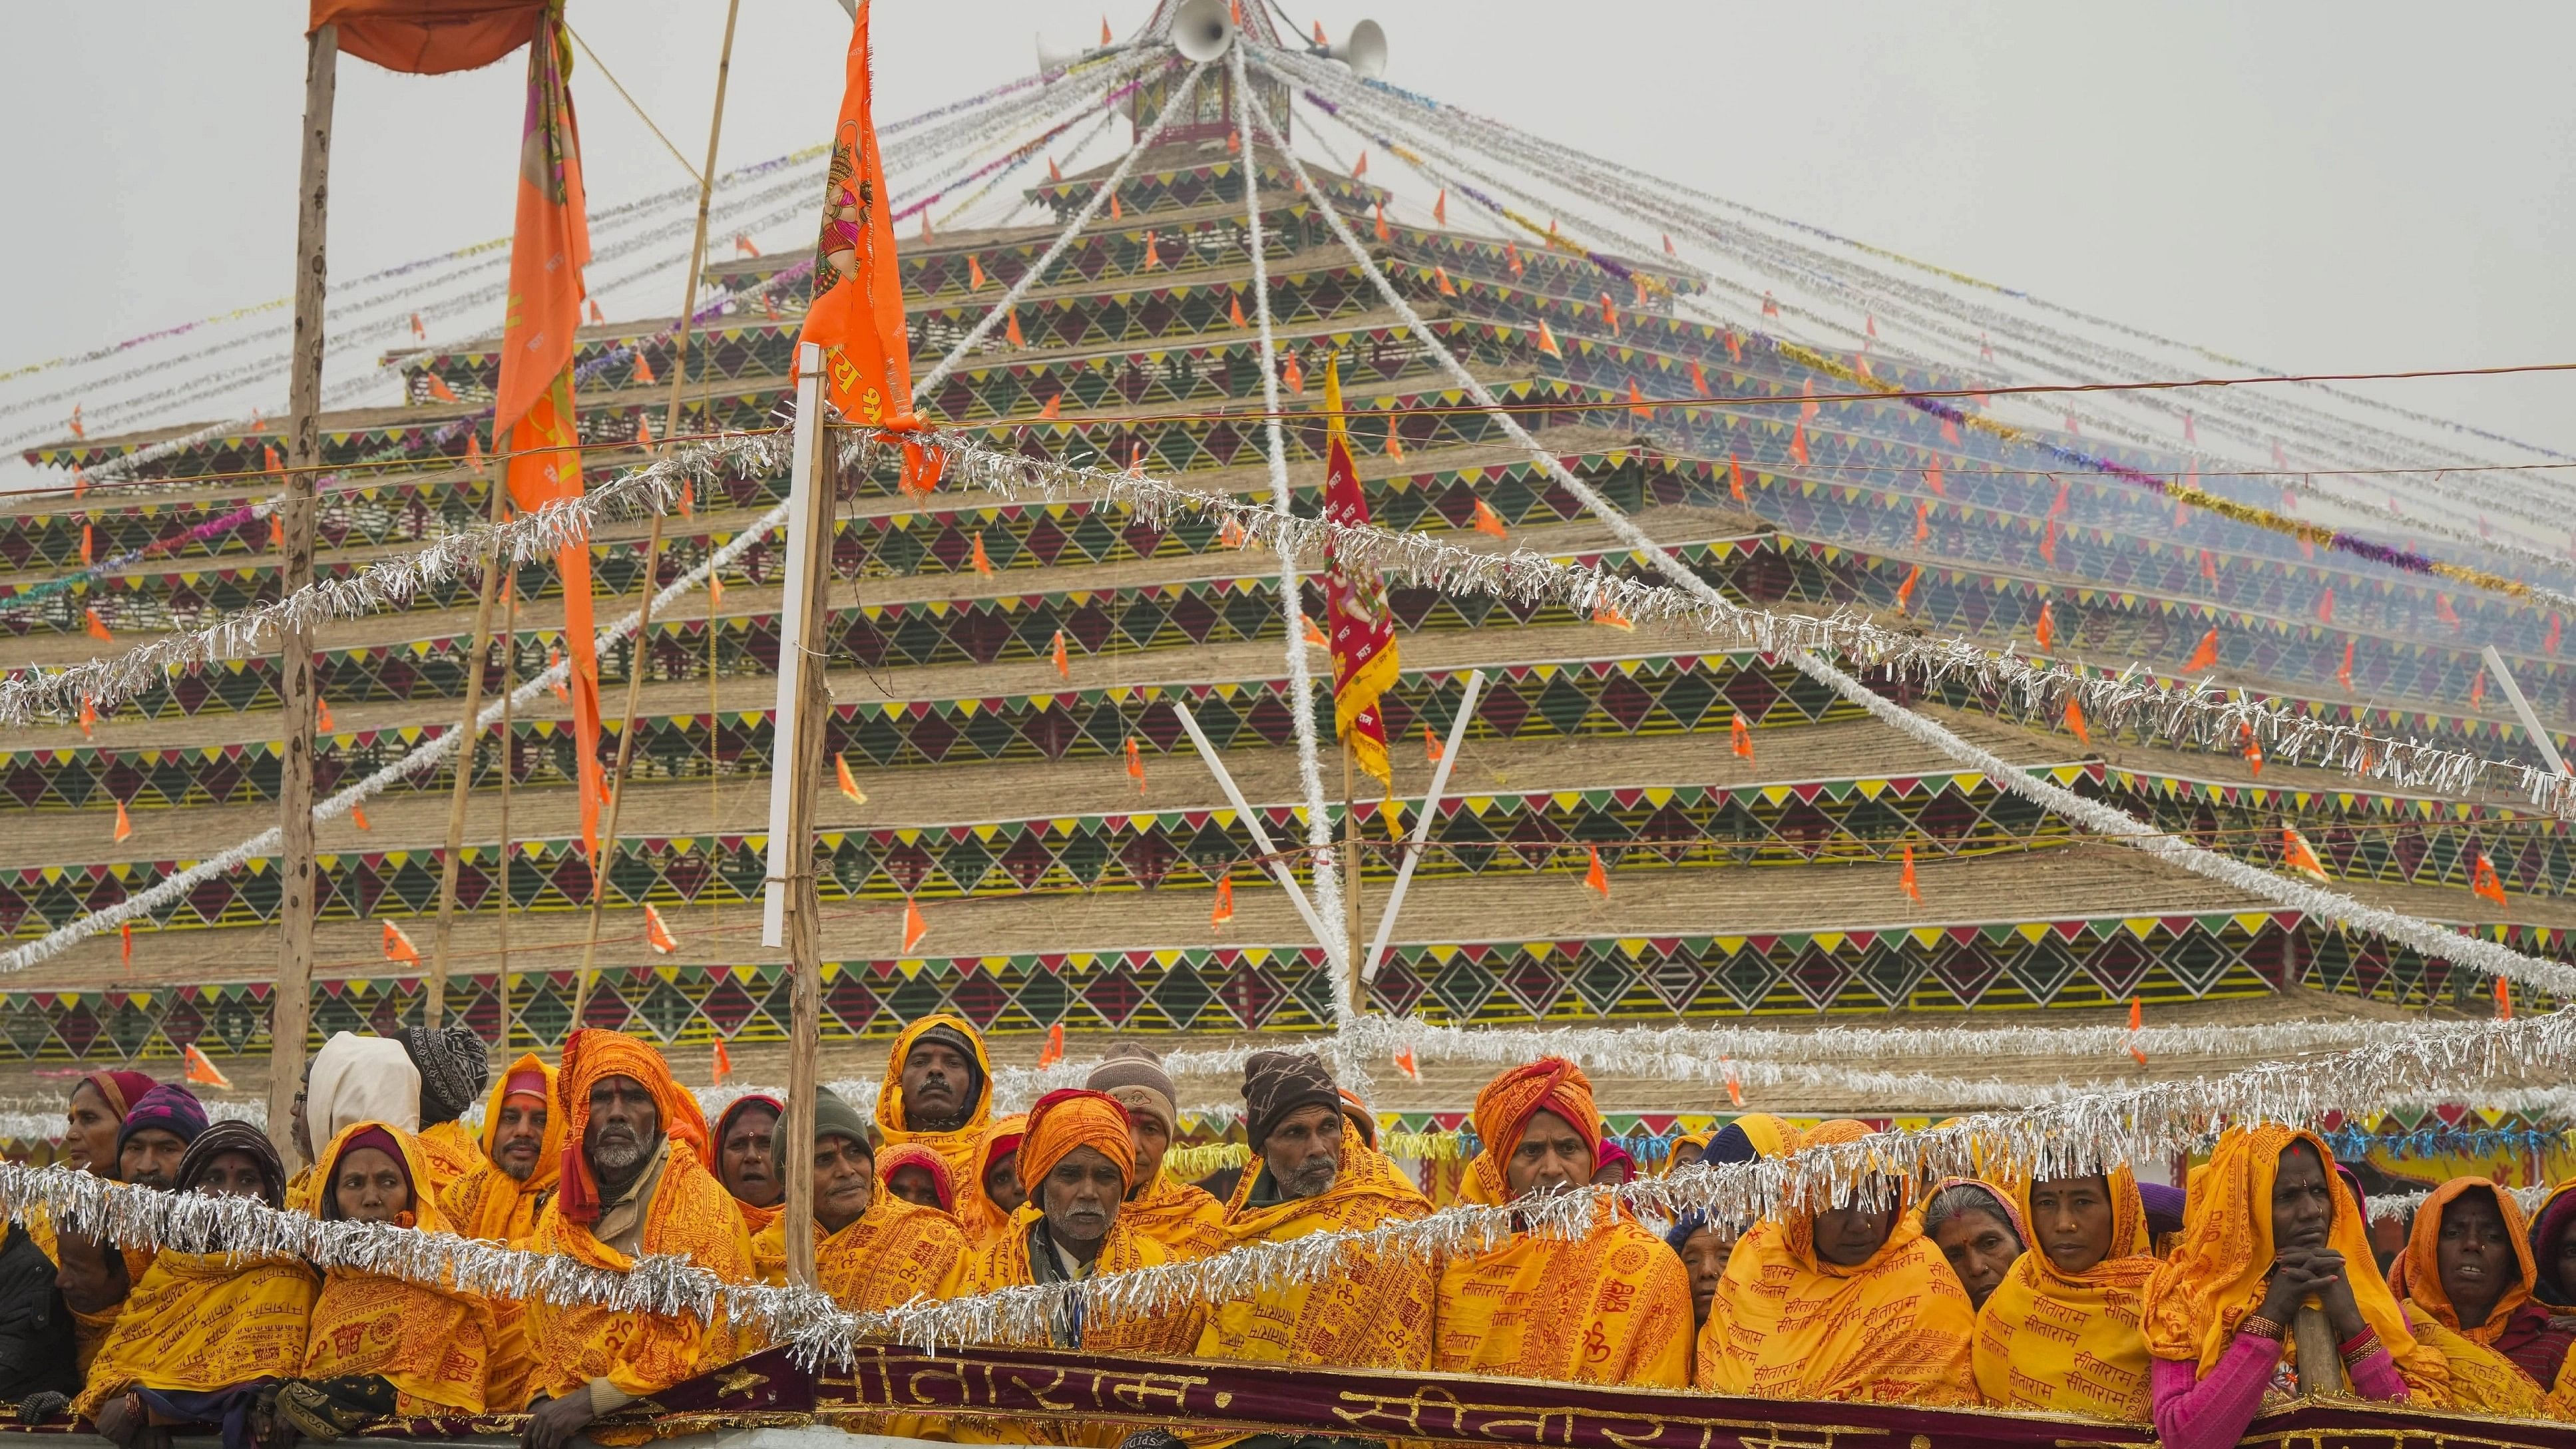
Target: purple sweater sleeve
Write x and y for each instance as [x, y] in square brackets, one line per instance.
[2193, 1412]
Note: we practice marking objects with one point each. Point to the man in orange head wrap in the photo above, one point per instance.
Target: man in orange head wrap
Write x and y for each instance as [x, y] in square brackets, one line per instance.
[1849, 1302]
[938, 1091]
[500, 1199]
[1079, 1153]
[635, 1183]
[1611, 1307]
[1312, 1173]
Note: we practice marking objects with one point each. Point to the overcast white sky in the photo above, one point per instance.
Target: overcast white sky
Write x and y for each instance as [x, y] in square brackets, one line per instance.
[2345, 186]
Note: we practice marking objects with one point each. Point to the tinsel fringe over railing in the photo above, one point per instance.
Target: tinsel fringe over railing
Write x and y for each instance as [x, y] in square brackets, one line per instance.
[2080, 1136]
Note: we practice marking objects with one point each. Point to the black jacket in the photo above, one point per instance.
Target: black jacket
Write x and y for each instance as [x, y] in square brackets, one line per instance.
[36, 1349]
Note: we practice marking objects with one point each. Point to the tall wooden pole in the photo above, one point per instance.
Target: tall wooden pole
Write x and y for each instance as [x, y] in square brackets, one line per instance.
[434, 1010]
[790, 910]
[292, 1005]
[1351, 870]
[638, 654]
[509, 756]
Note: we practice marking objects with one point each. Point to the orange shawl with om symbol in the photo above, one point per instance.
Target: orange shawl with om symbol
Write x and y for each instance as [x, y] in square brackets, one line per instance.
[1788, 1325]
[199, 1322]
[894, 1253]
[432, 1345]
[2071, 1342]
[1180, 1216]
[1375, 1313]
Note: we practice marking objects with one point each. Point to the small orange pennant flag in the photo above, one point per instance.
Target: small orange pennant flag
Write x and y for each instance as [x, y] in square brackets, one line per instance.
[2137, 1019]
[1906, 880]
[1432, 750]
[439, 389]
[1440, 275]
[1734, 1082]
[1547, 340]
[1054, 407]
[2075, 720]
[1358, 168]
[358, 817]
[1742, 738]
[742, 245]
[2343, 671]
[596, 320]
[2046, 632]
[1054, 172]
[1489, 522]
[722, 1067]
[398, 947]
[276, 531]
[89, 541]
[98, 627]
[1011, 328]
[1932, 479]
[1291, 374]
[1053, 1051]
[1905, 590]
[418, 332]
[974, 273]
[2253, 748]
[1637, 402]
[1922, 519]
[914, 927]
[925, 227]
[1440, 207]
[687, 489]
[1230, 533]
[1135, 765]
[1116, 212]
[1594, 877]
[2484, 881]
[203, 1071]
[1798, 441]
[1223, 914]
[88, 716]
[644, 369]
[322, 714]
[2298, 855]
[124, 822]
[1063, 664]
[2504, 999]
[1394, 443]
[1314, 635]
[1105, 37]
[125, 942]
[1404, 1057]
[1735, 478]
[849, 783]
[1234, 311]
[643, 431]
[1604, 613]
[982, 562]
[657, 934]
[1382, 233]
[2204, 657]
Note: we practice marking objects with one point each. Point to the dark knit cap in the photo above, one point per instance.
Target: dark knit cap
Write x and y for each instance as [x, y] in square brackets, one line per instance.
[1276, 1084]
[453, 1069]
[171, 1108]
[234, 1136]
[833, 1117]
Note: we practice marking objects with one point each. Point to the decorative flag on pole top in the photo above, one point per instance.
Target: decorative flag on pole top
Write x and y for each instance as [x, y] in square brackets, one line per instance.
[857, 313]
[1363, 631]
[204, 1071]
[533, 398]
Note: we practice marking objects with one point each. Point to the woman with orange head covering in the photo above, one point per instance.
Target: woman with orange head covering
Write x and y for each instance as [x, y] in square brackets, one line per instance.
[2061, 1330]
[1845, 1302]
[988, 1196]
[2270, 1227]
[918, 1175]
[635, 1183]
[1979, 1230]
[1611, 1307]
[2466, 1277]
[382, 1345]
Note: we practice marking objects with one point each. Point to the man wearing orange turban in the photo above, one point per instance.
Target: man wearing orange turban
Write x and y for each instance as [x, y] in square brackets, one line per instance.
[635, 1183]
[1078, 1154]
[500, 1199]
[938, 1092]
[1312, 1173]
[1611, 1307]
[1848, 1302]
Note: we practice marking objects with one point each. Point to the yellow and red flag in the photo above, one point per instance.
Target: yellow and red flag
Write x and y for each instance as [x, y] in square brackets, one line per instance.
[857, 315]
[532, 403]
[1363, 629]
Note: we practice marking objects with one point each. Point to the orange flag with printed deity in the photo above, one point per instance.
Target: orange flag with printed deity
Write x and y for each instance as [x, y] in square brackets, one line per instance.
[533, 399]
[1362, 635]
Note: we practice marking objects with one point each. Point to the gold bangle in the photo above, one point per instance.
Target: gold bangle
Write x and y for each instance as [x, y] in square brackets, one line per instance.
[2261, 1327]
[2363, 1348]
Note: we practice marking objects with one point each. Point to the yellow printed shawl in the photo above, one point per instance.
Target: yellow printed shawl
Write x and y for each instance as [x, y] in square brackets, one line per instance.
[691, 1216]
[962, 1149]
[2483, 1379]
[892, 1254]
[450, 1154]
[197, 1322]
[981, 1218]
[1182, 1217]
[431, 1344]
[2071, 1342]
[1612, 1308]
[2216, 1274]
[1372, 1314]
[1788, 1325]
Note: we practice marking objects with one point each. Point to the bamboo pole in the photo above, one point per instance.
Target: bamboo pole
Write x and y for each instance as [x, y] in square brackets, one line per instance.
[434, 1009]
[1351, 872]
[509, 765]
[1422, 827]
[638, 654]
[291, 1006]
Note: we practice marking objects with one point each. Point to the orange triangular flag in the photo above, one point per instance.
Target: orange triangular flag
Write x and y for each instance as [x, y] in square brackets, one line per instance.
[1906, 881]
[1105, 37]
[2204, 657]
[276, 531]
[687, 487]
[1315, 635]
[1054, 407]
[1382, 233]
[2504, 999]
[596, 320]
[473, 450]
[644, 431]
[2046, 632]
[1116, 212]
[1440, 207]
[1547, 340]
[1603, 612]
[1153, 251]
[2137, 1019]
[89, 542]
[925, 226]
[1135, 765]
[1734, 1083]
[125, 942]
[358, 817]
[1404, 1058]
[124, 822]
[722, 1067]
[974, 273]
[2253, 748]
[1440, 274]
[1054, 173]
[1735, 478]
[1905, 590]
[657, 934]
[1011, 328]
[418, 332]
[742, 244]
[2075, 720]
[914, 927]
[1798, 441]
[2298, 855]
[398, 947]
[1488, 521]
[849, 784]
[1394, 443]
[202, 1070]
[1358, 168]
[2343, 671]
[1512, 256]
[981, 562]
[1742, 738]
[439, 389]
[322, 714]
[644, 368]
[98, 627]
[88, 715]
[1432, 750]
[1291, 374]
[2484, 881]
[1637, 402]
[1922, 519]
[1063, 665]
[1053, 1051]
[1699, 381]
[1594, 877]
[1230, 533]
[1668, 246]
[1234, 311]
[1224, 911]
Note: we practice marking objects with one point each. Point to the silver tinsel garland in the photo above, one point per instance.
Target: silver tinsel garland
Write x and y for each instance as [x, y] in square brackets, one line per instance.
[2082, 1134]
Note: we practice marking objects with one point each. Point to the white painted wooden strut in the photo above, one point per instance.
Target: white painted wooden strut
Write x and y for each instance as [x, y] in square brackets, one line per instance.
[1301, 684]
[1278, 867]
[2522, 709]
[1422, 827]
[803, 479]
